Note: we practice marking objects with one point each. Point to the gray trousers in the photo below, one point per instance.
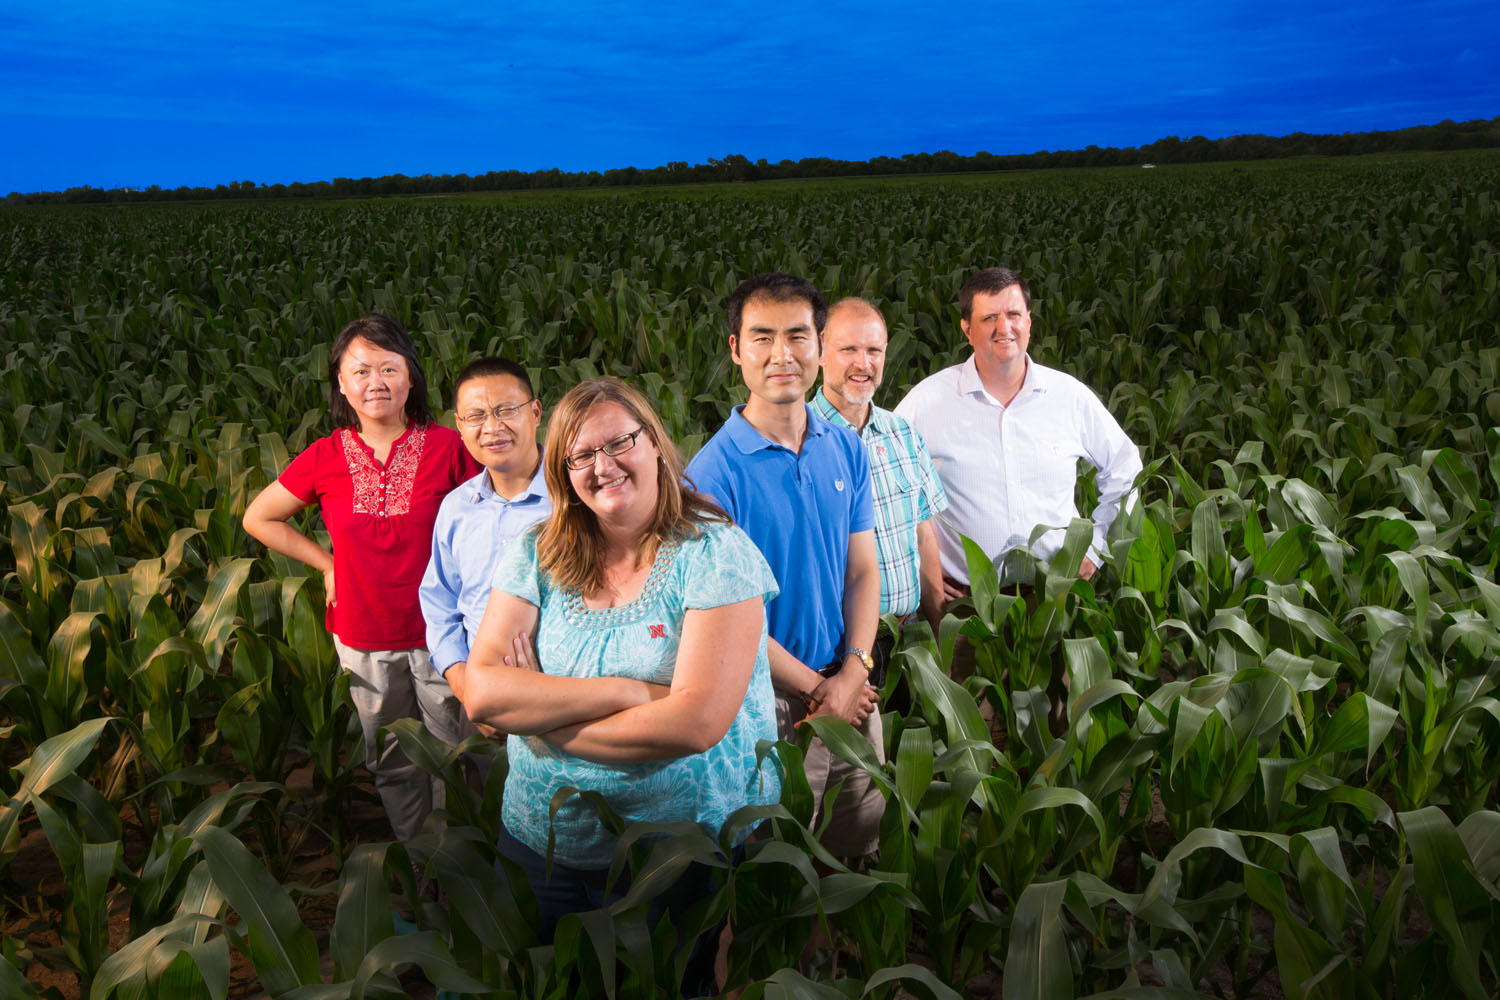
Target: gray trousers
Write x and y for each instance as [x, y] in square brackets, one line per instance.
[390, 684]
[383, 685]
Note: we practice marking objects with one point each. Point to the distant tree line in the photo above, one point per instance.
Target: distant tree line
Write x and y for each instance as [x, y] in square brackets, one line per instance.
[1445, 135]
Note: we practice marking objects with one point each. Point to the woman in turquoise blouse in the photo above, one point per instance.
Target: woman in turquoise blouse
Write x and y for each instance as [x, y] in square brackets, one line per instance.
[623, 649]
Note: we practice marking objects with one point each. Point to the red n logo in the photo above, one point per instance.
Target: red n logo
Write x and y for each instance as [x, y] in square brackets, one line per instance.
[658, 631]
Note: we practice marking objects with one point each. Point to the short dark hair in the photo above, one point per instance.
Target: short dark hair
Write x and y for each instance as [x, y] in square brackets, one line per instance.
[990, 281]
[382, 331]
[778, 287]
[488, 366]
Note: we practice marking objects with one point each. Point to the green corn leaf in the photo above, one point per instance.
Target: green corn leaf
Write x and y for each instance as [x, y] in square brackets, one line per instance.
[364, 909]
[789, 984]
[984, 581]
[194, 968]
[918, 977]
[1088, 663]
[1480, 832]
[953, 705]
[424, 949]
[1450, 891]
[1037, 966]
[1300, 953]
[129, 963]
[478, 895]
[18, 659]
[53, 760]
[216, 618]
[278, 943]
[914, 768]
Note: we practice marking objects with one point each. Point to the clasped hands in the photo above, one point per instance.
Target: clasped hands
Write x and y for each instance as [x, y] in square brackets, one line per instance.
[847, 694]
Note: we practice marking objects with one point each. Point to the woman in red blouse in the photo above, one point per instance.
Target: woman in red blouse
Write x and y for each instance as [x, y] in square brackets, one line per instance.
[377, 480]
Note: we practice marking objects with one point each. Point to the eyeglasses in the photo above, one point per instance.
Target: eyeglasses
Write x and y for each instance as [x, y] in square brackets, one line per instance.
[580, 460]
[476, 418]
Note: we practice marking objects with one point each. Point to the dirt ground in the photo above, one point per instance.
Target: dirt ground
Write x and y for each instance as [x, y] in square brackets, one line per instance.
[312, 865]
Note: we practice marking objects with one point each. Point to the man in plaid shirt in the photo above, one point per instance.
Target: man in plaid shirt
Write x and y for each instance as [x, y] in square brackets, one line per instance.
[904, 484]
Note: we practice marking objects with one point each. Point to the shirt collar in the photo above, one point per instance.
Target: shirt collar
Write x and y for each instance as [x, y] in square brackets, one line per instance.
[877, 424]
[823, 407]
[484, 486]
[970, 384]
[749, 440]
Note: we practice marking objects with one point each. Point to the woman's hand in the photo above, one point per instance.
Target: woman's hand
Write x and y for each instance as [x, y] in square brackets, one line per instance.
[328, 597]
[266, 521]
[523, 653]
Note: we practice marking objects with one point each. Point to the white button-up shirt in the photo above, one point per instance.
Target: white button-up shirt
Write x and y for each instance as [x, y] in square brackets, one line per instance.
[1009, 469]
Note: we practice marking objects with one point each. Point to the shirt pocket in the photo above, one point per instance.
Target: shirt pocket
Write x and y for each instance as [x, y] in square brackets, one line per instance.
[895, 479]
[1047, 465]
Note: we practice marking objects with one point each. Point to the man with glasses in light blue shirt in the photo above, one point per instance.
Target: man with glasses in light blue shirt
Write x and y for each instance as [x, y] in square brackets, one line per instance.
[497, 415]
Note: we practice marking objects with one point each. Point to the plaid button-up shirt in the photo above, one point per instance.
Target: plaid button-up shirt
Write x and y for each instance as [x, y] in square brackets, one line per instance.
[906, 491]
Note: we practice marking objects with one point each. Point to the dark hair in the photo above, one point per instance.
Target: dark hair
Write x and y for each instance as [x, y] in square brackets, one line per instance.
[486, 367]
[778, 287]
[382, 331]
[990, 281]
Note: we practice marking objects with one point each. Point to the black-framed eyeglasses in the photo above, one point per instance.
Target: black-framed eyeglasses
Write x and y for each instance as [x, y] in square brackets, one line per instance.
[476, 418]
[581, 460]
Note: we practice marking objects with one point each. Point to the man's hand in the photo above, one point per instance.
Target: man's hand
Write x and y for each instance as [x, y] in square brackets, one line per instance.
[328, 597]
[953, 590]
[1087, 569]
[846, 694]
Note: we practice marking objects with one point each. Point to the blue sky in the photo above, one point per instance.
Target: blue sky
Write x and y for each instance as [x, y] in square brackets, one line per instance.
[136, 93]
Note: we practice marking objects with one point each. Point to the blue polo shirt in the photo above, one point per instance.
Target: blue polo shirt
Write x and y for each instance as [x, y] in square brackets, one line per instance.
[800, 509]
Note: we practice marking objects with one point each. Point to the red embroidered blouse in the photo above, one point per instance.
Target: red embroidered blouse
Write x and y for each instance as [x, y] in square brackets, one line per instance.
[380, 519]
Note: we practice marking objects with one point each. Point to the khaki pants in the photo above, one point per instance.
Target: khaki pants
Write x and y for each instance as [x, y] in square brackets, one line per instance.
[855, 830]
[383, 684]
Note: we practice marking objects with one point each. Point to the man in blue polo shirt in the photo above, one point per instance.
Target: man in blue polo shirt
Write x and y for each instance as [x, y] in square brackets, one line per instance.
[497, 415]
[800, 488]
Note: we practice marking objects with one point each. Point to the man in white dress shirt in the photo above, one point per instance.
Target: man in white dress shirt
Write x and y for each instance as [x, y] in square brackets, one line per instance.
[1006, 433]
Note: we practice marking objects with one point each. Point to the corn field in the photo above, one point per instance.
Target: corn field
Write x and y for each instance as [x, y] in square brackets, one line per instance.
[1279, 770]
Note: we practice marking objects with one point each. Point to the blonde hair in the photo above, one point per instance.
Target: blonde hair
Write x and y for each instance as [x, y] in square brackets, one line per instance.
[570, 546]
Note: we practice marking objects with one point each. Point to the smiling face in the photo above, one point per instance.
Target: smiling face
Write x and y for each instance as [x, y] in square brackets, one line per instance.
[777, 349]
[615, 487]
[507, 447]
[375, 382]
[998, 328]
[853, 354]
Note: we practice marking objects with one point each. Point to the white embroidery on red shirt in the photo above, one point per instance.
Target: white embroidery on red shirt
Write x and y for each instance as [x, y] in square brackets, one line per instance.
[388, 494]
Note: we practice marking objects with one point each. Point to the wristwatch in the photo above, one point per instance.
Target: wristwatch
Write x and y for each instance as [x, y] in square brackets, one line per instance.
[864, 657]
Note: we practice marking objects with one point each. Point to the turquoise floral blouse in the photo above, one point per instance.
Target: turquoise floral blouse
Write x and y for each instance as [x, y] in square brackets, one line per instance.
[721, 566]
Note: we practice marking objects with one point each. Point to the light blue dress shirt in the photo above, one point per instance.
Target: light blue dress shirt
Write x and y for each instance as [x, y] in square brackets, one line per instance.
[475, 526]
